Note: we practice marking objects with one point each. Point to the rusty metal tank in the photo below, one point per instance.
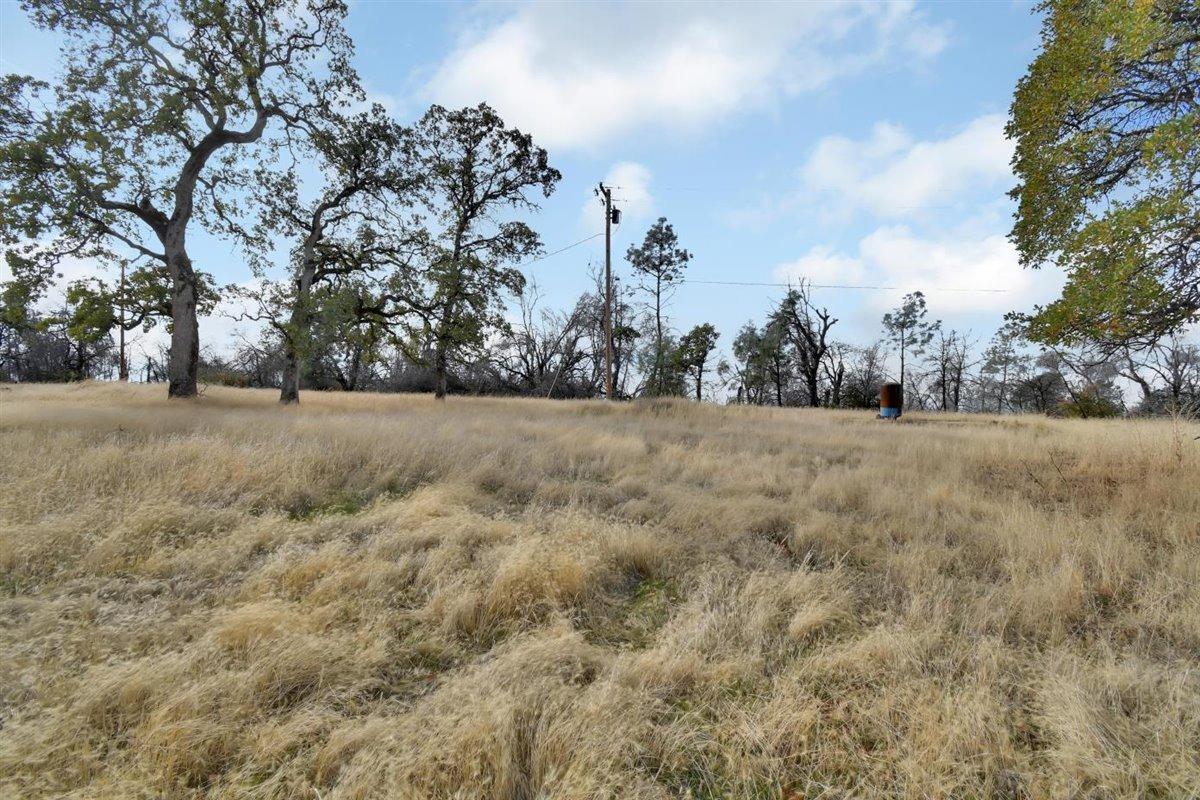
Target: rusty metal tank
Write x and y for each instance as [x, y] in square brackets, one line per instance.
[891, 400]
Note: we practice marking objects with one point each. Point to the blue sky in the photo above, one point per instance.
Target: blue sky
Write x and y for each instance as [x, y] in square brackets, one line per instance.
[848, 143]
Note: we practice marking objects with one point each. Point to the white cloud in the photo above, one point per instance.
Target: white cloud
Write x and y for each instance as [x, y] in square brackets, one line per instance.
[578, 74]
[630, 183]
[372, 97]
[893, 176]
[821, 265]
[950, 269]
[953, 269]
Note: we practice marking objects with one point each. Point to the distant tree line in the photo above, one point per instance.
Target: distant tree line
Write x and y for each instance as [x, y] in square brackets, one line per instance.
[790, 359]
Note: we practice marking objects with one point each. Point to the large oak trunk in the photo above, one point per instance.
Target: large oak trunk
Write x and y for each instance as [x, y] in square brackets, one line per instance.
[289, 392]
[184, 362]
[439, 366]
[295, 344]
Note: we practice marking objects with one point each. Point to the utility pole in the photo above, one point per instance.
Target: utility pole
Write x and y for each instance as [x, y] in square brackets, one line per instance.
[606, 193]
[122, 365]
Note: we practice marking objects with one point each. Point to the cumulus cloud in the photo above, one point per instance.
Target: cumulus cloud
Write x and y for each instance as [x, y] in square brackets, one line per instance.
[630, 183]
[951, 268]
[822, 265]
[577, 75]
[892, 176]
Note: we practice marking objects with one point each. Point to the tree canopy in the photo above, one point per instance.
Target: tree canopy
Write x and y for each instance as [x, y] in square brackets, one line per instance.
[1107, 130]
[476, 171]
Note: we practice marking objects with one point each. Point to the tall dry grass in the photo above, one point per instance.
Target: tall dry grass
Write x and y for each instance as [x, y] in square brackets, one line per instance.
[379, 596]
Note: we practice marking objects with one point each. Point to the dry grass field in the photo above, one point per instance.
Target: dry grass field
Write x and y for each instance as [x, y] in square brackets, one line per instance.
[381, 597]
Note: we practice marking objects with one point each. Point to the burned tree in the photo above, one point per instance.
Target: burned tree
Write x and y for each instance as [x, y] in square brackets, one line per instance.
[807, 328]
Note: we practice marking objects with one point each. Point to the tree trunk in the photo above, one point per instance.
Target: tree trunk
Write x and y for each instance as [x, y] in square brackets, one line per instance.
[945, 378]
[295, 342]
[184, 366]
[355, 365]
[80, 362]
[656, 379]
[289, 392]
[439, 367]
[1003, 385]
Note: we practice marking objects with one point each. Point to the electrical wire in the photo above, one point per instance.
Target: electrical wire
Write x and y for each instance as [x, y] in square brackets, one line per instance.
[856, 287]
[833, 286]
[560, 250]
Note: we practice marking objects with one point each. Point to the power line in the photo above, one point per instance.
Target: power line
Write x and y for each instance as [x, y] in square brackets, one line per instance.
[560, 250]
[856, 287]
[833, 286]
[734, 188]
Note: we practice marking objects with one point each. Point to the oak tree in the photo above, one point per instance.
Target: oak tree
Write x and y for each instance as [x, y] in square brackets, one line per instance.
[693, 351]
[478, 171]
[348, 227]
[1107, 130]
[141, 134]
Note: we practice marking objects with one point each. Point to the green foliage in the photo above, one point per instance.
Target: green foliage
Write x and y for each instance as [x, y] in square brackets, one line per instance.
[659, 261]
[345, 346]
[907, 329]
[1090, 403]
[665, 374]
[450, 295]
[692, 353]
[761, 366]
[142, 132]
[659, 258]
[347, 228]
[1107, 131]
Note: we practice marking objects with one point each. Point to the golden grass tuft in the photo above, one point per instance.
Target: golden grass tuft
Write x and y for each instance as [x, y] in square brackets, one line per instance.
[384, 597]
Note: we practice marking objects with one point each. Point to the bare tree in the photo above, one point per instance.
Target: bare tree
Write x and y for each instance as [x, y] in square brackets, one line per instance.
[543, 353]
[950, 358]
[1167, 372]
[834, 366]
[1088, 374]
[1003, 363]
[865, 375]
[807, 327]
